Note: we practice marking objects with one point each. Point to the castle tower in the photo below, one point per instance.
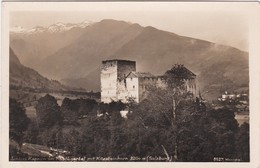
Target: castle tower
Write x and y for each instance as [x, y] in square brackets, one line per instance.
[113, 74]
[180, 72]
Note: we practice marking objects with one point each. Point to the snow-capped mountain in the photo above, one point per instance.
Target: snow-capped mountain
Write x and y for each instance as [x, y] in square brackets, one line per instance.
[54, 28]
[17, 29]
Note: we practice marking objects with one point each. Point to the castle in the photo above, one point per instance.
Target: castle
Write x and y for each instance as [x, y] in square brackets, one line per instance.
[120, 81]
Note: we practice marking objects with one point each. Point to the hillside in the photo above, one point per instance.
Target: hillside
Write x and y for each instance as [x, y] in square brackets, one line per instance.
[24, 77]
[218, 68]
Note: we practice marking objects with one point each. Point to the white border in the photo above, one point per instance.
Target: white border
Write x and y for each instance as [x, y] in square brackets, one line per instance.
[252, 9]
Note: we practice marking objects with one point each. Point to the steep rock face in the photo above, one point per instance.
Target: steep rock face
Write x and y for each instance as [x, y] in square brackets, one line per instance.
[24, 77]
[77, 63]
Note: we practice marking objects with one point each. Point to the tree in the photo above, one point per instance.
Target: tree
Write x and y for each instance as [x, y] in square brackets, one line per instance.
[242, 143]
[223, 128]
[48, 112]
[175, 80]
[115, 106]
[71, 141]
[191, 131]
[195, 143]
[18, 120]
[161, 112]
[18, 123]
[117, 130]
[69, 110]
[30, 135]
[95, 138]
[51, 137]
[152, 125]
[85, 106]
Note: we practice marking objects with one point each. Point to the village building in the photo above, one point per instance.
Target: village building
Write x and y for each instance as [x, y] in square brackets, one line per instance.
[241, 98]
[121, 82]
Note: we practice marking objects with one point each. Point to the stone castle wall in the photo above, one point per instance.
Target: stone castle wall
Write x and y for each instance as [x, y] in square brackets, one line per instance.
[132, 87]
[124, 68]
[108, 81]
[191, 86]
[113, 82]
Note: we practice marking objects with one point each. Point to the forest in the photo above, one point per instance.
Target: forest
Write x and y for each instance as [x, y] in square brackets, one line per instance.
[168, 125]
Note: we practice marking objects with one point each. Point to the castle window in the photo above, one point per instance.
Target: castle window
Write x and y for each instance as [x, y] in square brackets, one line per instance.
[131, 79]
[133, 86]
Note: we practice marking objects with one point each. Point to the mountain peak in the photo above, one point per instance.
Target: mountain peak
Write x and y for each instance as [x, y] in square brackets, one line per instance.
[58, 27]
[112, 21]
[17, 29]
[150, 28]
[54, 28]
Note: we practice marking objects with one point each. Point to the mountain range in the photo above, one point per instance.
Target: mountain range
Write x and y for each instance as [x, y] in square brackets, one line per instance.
[33, 45]
[74, 56]
[54, 28]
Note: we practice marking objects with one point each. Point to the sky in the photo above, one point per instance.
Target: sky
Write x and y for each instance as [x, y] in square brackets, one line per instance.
[216, 24]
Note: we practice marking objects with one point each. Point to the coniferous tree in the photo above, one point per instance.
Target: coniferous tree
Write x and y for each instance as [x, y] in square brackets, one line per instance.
[48, 112]
[18, 120]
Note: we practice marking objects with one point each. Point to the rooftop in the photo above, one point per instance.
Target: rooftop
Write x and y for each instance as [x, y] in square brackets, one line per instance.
[117, 60]
[180, 71]
[141, 74]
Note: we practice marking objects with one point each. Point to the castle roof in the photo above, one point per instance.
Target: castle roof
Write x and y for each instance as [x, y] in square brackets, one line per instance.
[117, 60]
[180, 71]
[140, 74]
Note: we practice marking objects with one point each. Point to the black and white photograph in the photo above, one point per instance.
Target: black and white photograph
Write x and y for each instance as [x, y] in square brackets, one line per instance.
[130, 82]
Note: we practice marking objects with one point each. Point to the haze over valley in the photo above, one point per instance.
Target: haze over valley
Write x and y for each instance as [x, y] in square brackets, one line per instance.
[72, 54]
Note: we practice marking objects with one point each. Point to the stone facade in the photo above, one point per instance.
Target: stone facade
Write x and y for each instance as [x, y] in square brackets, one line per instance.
[139, 82]
[181, 73]
[191, 85]
[121, 82]
[113, 73]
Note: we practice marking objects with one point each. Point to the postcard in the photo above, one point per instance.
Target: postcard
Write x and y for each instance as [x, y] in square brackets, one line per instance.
[149, 84]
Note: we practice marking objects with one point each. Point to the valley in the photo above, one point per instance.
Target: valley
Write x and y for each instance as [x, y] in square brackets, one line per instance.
[75, 62]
